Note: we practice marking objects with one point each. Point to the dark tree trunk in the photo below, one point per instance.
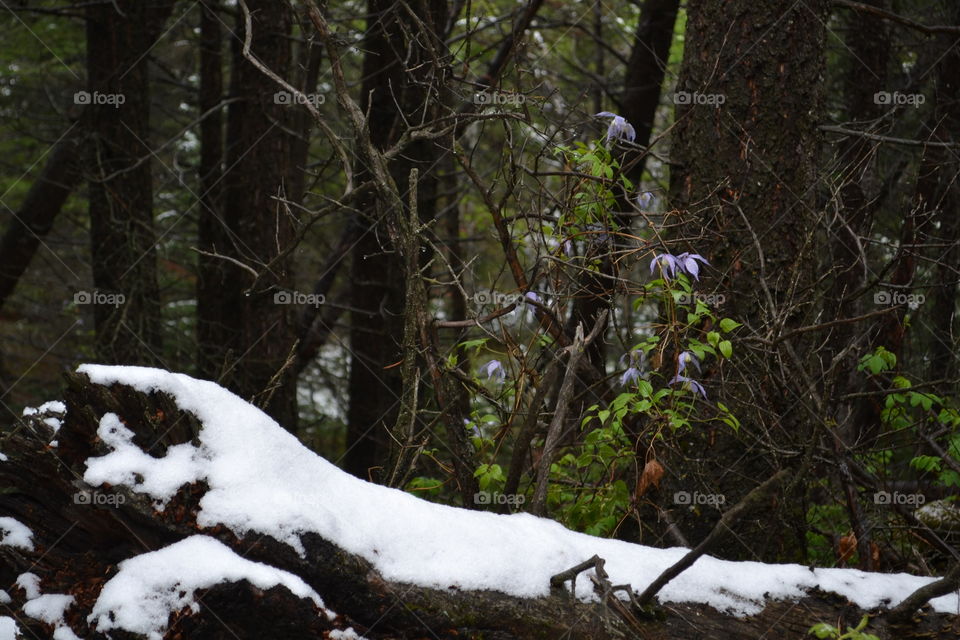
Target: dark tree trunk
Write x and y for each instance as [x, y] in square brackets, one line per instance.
[749, 207]
[945, 166]
[866, 73]
[398, 70]
[258, 230]
[119, 37]
[34, 219]
[646, 69]
[212, 237]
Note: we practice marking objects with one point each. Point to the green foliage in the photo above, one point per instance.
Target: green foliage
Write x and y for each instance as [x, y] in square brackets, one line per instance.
[823, 630]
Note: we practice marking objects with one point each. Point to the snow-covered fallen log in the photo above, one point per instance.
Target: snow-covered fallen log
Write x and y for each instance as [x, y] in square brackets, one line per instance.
[171, 508]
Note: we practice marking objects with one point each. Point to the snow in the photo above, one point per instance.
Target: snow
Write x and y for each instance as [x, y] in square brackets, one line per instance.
[30, 583]
[14, 533]
[48, 608]
[262, 480]
[150, 586]
[3, 457]
[5, 597]
[54, 406]
[8, 629]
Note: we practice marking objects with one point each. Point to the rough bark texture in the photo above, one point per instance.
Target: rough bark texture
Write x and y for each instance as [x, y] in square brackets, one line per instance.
[119, 36]
[77, 548]
[257, 317]
[211, 233]
[403, 80]
[749, 207]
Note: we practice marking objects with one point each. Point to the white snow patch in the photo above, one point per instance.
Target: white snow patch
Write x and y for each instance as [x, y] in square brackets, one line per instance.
[261, 479]
[5, 597]
[30, 583]
[54, 406]
[346, 634]
[65, 633]
[150, 586]
[9, 629]
[14, 533]
[48, 608]
[3, 457]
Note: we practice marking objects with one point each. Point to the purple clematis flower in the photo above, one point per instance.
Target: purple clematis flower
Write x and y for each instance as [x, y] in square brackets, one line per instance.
[685, 263]
[687, 357]
[694, 385]
[495, 368]
[688, 263]
[645, 199]
[667, 262]
[629, 376]
[619, 128]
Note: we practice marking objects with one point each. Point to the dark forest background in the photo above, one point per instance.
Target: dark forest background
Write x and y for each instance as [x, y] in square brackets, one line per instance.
[400, 229]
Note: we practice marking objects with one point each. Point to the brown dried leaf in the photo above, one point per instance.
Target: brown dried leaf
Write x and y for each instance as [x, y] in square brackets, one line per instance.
[848, 546]
[650, 477]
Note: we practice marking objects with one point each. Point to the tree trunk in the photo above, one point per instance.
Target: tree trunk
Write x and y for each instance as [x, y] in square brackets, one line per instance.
[399, 74]
[211, 233]
[126, 301]
[258, 313]
[751, 90]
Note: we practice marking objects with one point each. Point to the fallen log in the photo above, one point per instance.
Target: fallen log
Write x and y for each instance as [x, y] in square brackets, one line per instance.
[86, 539]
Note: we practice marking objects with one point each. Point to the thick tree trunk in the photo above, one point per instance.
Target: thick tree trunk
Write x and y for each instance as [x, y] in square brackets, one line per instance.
[257, 314]
[211, 233]
[401, 79]
[126, 301]
[751, 91]
[78, 545]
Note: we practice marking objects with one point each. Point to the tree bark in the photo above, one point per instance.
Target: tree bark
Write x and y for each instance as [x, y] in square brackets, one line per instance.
[258, 312]
[119, 38]
[753, 90]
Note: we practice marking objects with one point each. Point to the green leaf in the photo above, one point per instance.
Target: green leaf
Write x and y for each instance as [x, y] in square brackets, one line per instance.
[823, 630]
[726, 348]
[727, 325]
[713, 337]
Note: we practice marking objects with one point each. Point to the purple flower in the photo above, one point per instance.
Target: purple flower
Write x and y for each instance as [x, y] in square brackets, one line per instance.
[685, 263]
[667, 262]
[645, 199]
[684, 358]
[619, 128]
[495, 368]
[696, 386]
[688, 263]
[629, 376]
